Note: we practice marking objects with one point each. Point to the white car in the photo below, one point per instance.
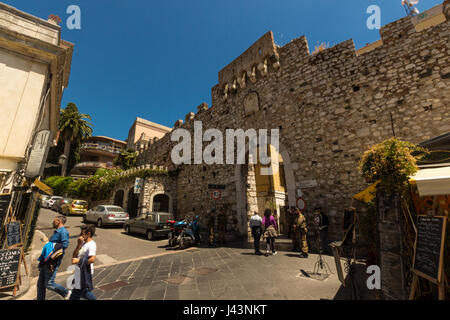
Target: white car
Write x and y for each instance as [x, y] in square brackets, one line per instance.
[52, 201]
[44, 201]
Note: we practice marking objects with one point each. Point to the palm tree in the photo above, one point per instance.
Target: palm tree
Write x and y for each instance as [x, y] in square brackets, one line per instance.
[74, 128]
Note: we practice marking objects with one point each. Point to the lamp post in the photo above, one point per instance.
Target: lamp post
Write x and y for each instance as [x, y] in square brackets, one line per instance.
[62, 160]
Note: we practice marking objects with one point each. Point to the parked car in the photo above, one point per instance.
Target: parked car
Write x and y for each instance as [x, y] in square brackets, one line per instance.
[78, 207]
[52, 201]
[106, 215]
[151, 224]
[57, 205]
[44, 200]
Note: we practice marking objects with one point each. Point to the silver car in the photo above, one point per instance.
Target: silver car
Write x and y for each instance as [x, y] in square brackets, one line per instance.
[106, 215]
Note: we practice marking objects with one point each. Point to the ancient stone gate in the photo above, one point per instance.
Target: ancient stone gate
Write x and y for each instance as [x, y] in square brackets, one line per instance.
[329, 107]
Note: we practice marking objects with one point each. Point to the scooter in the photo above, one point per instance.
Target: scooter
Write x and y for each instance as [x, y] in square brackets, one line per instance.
[180, 234]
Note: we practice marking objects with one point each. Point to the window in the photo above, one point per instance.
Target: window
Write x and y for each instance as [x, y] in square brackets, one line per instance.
[101, 209]
[150, 217]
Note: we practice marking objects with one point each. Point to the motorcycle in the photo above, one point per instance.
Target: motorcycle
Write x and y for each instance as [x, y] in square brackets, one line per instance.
[181, 233]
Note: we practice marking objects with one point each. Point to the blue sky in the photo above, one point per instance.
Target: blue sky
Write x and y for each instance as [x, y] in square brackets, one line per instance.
[159, 59]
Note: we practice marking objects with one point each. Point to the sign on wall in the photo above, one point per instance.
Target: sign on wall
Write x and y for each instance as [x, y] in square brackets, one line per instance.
[137, 185]
[38, 156]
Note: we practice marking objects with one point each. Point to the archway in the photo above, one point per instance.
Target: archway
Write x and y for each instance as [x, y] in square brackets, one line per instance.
[118, 198]
[254, 192]
[161, 203]
[133, 203]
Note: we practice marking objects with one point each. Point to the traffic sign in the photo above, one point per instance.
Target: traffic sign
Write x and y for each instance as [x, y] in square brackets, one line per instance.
[301, 204]
[216, 194]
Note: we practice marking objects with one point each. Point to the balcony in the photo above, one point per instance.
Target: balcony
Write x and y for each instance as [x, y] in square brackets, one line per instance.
[100, 147]
[93, 164]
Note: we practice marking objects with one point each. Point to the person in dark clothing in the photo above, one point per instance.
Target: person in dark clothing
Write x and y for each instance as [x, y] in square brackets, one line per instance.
[322, 219]
[222, 226]
[256, 227]
[196, 229]
[47, 275]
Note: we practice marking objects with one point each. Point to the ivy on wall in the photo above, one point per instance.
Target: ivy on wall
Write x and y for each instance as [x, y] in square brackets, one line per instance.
[100, 185]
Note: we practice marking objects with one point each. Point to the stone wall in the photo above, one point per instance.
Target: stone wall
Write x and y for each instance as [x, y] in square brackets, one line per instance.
[329, 108]
[152, 186]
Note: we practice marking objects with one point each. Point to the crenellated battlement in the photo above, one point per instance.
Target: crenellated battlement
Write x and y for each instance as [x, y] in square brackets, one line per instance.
[340, 69]
[263, 57]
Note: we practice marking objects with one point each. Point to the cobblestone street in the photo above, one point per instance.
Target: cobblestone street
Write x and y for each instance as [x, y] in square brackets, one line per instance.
[214, 274]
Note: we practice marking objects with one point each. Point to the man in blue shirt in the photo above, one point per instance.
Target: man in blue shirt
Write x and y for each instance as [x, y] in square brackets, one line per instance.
[46, 274]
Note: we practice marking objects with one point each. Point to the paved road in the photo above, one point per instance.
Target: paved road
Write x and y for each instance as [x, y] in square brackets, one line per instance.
[112, 243]
[217, 274]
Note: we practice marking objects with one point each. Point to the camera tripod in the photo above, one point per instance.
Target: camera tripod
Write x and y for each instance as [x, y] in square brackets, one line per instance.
[321, 264]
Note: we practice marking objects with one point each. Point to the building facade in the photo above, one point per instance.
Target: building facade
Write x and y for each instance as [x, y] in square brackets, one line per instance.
[34, 71]
[96, 153]
[142, 131]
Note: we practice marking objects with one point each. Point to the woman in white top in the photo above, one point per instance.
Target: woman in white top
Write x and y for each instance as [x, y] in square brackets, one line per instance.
[84, 257]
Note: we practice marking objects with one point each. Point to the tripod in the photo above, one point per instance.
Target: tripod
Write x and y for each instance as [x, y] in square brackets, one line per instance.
[320, 263]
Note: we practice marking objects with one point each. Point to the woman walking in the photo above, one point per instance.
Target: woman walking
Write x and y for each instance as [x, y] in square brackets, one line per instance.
[270, 231]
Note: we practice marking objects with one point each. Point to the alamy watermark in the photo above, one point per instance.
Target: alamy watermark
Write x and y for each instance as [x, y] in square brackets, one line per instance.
[374, 20]
[374, 280]
[74, 20]
[235, 139]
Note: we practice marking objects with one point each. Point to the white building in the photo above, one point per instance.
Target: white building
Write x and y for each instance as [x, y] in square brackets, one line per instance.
[34, 70]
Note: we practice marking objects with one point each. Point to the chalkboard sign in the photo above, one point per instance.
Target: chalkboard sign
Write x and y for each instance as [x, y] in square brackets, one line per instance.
[429, 247]
[5, 199]
[9, 267]
[13, 234]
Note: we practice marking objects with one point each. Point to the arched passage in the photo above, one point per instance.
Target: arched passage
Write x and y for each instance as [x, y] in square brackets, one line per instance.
[118, 198]
[161, 201]
[133, 203]
[254, 192]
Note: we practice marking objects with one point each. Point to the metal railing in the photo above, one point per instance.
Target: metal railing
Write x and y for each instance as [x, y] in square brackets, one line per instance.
[96, 146]
[94, 164]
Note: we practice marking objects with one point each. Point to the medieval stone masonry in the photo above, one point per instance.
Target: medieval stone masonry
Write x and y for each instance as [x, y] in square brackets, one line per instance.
[329, 107]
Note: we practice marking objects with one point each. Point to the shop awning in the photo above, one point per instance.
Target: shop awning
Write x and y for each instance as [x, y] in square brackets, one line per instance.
[367, 194]
[433, 181]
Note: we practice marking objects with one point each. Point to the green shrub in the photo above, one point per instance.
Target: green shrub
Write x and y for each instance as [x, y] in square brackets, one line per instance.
[60, 185]
[392, 162]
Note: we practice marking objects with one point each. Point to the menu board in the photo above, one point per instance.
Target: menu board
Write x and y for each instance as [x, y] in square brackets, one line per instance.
[429, 247]
[5, 199]
[13, 235]
[9, 267]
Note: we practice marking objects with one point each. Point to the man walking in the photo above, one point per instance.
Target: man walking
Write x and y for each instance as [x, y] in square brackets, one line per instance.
[256, 226]
[47, 273]
[293, 228]
[301, 231]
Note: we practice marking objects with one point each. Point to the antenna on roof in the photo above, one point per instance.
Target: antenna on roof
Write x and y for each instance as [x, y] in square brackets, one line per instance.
[410, 8]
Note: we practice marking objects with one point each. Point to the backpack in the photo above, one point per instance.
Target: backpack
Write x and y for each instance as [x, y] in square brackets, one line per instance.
[51, 254]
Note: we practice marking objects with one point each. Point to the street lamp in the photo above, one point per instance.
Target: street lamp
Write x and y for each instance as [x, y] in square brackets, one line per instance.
[62, 159]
